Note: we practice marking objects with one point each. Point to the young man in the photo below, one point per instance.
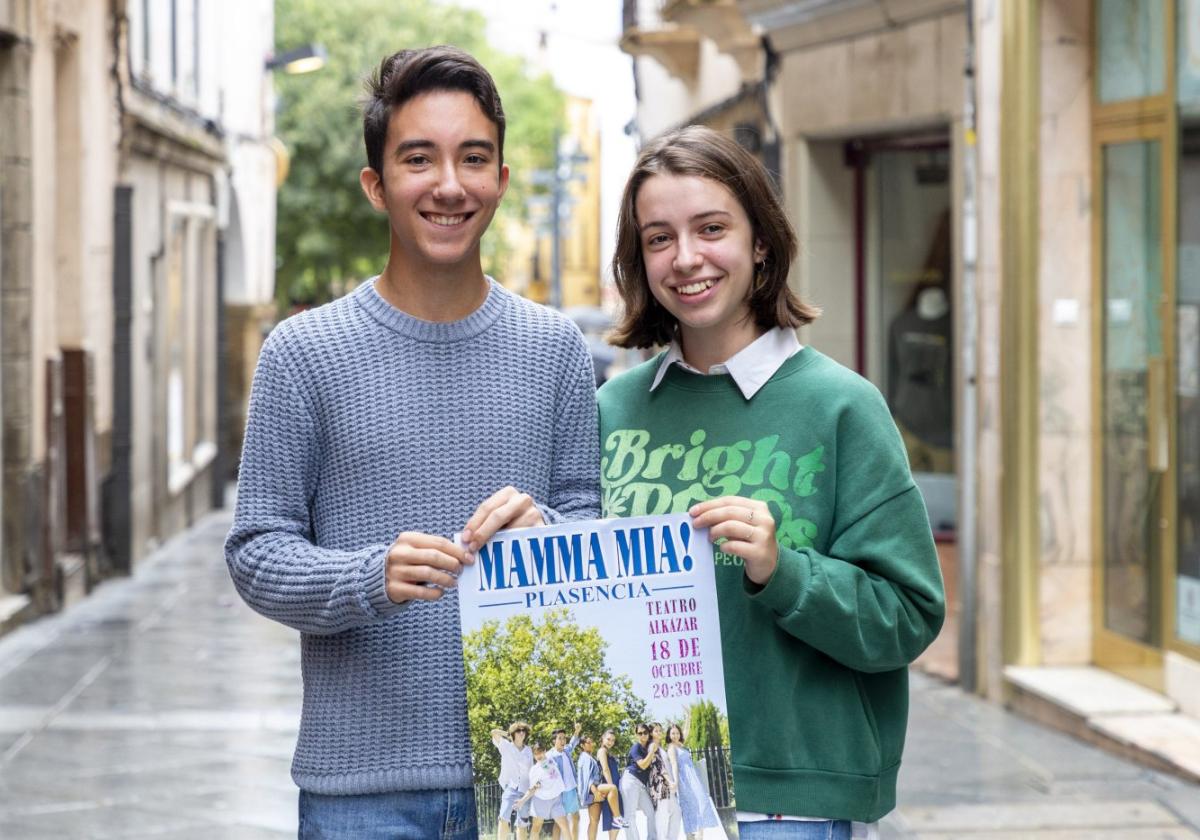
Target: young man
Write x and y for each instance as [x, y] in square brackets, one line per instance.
[379, 426]
[635, 796]
[561, 753]
[516, 759]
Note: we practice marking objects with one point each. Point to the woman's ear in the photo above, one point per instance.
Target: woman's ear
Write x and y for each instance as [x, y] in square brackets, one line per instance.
[760, 251]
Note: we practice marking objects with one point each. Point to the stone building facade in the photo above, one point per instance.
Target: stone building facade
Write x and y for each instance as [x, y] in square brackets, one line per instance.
[137, 176]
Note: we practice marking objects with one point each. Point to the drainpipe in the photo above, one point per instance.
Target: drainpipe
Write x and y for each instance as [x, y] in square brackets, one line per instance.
[968, 372]
[119, 490]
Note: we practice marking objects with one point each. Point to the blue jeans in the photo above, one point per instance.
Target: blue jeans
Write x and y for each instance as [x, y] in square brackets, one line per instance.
[403, 815]
[794, 830]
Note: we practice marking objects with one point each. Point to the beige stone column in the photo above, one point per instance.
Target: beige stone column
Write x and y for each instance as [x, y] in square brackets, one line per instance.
[1065, 354]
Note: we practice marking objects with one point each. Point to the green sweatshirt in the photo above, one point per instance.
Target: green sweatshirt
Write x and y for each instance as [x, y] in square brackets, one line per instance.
[815, 661]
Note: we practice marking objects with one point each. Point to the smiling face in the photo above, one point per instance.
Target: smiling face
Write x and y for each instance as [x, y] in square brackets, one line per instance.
[608, 740]
[442, 181]
[699, 252]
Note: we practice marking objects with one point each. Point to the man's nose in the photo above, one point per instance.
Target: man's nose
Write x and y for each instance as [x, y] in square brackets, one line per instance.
[449, 187]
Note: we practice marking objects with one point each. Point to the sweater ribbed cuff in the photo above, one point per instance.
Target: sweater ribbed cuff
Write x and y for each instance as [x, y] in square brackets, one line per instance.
[787, 585]
[374, 583]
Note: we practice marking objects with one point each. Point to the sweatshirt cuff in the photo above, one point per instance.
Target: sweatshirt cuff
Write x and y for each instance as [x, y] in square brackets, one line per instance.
[375, 585]
[551, 516]
[787, 585]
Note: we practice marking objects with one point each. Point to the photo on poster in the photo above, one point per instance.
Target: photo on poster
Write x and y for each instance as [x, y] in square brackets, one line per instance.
[595, 689]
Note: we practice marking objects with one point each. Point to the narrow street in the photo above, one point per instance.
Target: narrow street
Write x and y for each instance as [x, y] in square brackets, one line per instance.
[162, 707]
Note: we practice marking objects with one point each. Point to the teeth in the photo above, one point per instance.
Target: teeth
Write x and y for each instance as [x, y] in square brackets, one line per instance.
[694, 288]
[445, 220]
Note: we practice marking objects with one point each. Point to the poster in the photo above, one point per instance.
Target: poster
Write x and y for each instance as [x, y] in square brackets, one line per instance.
[574, 635]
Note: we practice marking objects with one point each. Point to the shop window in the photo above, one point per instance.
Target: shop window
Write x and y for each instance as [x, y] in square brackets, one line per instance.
[190, 343]
[1187, 327]
[913, 357]
[1129, 37]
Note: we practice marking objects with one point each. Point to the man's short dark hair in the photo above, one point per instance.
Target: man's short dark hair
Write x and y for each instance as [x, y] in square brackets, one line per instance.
[409, 73]
[556, 733]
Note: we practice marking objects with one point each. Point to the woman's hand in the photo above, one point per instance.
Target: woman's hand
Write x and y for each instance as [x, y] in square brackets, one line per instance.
[748, 529]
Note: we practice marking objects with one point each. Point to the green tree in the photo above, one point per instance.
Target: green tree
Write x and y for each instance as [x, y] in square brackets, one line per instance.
[549, 674]
[706, 727]
[328, 237]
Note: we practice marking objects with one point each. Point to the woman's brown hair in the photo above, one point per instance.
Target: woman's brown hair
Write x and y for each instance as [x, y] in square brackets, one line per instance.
[702, 152]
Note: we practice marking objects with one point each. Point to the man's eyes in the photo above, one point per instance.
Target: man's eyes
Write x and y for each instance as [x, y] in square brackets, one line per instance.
[425, 160]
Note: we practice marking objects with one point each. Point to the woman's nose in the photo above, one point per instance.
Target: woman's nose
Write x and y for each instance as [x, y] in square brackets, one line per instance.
[687, 258]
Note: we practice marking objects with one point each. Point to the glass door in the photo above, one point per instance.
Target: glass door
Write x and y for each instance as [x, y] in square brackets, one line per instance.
[1134, 417]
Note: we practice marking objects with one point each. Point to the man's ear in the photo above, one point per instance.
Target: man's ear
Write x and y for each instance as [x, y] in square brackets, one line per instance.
[503, 181]
[372, 187]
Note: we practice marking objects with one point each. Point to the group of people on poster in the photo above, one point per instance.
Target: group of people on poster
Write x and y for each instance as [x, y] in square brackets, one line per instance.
[658, 778]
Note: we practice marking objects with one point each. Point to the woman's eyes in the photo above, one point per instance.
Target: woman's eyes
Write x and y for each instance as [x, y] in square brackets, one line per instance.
[711, 229]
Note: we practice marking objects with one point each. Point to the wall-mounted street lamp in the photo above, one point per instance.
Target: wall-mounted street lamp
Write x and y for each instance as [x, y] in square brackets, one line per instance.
[302, 59]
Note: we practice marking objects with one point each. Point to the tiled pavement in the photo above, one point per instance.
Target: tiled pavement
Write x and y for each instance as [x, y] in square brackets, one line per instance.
[162, 707]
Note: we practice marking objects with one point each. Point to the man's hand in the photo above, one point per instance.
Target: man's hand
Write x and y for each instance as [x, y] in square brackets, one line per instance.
[578, 727]
[506, 508]
[421, 567]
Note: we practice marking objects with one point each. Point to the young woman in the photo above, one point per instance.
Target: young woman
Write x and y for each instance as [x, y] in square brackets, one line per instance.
[664, 789]
[605, 811]
[828, 582]
[594, 792]
[695, 805]
[545, 792]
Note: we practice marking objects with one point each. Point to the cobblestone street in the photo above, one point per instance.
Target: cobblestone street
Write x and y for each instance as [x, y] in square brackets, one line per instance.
[162, 707]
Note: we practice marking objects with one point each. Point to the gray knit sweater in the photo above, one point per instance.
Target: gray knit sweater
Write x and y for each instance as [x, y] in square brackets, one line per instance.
[365, 422]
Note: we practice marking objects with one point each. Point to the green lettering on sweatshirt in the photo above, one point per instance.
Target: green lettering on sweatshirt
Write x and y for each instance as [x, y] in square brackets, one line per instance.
[639, 476]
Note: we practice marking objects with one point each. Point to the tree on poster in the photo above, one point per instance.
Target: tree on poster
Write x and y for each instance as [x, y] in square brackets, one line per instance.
[550, 673]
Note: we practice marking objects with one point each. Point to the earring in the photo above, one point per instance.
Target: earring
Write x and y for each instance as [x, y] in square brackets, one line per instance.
[759, 279]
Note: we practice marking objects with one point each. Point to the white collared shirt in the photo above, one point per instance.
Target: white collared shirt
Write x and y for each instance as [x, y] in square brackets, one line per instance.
[751, 367]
